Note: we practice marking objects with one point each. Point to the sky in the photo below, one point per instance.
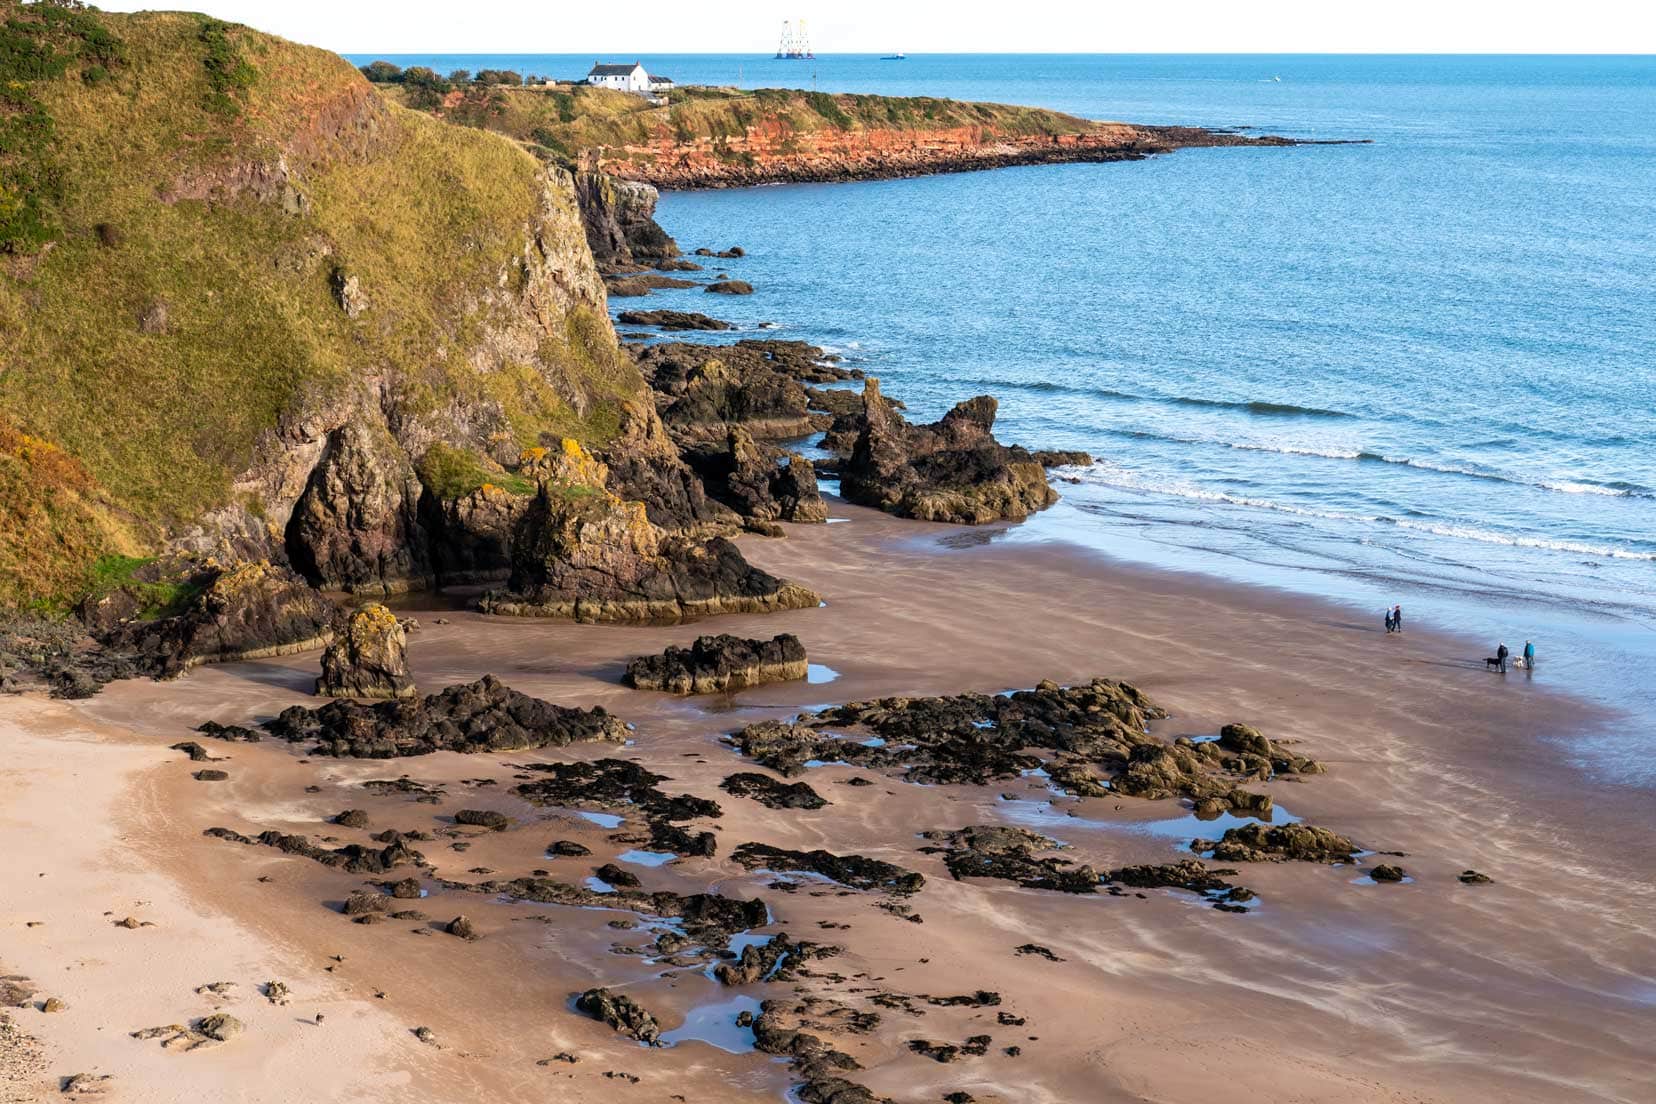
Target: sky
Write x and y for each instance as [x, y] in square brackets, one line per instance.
[962, 26]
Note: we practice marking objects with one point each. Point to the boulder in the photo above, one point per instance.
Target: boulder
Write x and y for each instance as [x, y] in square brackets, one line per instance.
[1278, 843]
[462, 927]
[952, 470]
[221, 1026]
[701, 391]
[622, 1013]
[856, 871]
[367, 658]
[730, 287]
[717, 664]
[483, 818]
[1386, 872]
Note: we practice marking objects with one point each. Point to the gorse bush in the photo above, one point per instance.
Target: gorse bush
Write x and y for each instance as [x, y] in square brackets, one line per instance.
[229, 75]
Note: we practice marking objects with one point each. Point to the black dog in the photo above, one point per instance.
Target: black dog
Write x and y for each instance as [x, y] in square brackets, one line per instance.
[1491, 663]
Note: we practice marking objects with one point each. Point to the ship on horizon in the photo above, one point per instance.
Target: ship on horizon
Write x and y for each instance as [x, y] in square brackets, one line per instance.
[795, 44]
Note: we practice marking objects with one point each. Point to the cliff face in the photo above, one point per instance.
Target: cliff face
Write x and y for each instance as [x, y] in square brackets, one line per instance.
[260, 296]
[720, 137]
[771, 151]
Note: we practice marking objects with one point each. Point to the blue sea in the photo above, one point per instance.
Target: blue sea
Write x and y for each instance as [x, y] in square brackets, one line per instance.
[1419, 371]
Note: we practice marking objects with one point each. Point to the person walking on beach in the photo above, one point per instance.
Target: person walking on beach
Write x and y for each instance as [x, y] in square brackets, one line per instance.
[1529, 655]
[1389, 626]
[1501, 654]
[1397, 619]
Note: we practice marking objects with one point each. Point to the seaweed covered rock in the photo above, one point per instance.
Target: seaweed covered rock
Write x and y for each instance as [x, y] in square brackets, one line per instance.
[622, 1013]
[367, 658]
[583, 553]
[1278, 843]
[1013, 855]
[708, 918]
[771, 793]
[952, 470]
[715, 664]
[486, 715]
[620, 784]
[856, 871]
[758, 481]
[776, 959]
[246, 611]
[353, 858]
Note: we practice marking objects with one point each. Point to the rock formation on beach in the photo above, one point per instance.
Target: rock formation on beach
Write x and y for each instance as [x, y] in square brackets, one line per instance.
[485, 715]
[716, 664]
[367, 658]
[952, 470]
[582, 553]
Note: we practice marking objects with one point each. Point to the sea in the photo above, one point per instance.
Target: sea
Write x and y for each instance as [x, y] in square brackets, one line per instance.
[1417, 371]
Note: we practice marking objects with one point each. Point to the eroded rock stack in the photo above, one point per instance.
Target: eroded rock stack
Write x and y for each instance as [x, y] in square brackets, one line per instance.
[952, 470]
[715, 664]
[368, 657]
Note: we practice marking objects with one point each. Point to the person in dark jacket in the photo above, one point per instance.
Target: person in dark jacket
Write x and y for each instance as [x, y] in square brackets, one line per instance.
[1397, 619]
[1501, 654]
[1389, 626]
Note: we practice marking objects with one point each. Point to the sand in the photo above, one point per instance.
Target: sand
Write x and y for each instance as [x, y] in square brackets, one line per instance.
[1539, 987]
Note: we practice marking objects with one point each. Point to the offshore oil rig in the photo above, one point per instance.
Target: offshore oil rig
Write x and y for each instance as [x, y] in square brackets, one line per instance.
[796, 43]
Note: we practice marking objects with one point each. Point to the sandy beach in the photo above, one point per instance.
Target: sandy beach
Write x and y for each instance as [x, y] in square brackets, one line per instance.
[1537, 987]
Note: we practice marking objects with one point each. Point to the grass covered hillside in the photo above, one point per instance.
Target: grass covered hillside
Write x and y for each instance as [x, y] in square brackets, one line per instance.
[577, 119]
[216, 246]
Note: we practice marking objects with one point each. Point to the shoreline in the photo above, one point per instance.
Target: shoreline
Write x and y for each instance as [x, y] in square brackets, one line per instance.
[1374, 985]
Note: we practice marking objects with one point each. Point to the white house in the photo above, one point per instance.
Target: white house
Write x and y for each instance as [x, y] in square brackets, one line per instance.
[627, 78]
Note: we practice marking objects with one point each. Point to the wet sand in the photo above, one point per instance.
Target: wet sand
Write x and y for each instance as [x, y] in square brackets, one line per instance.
[1539, 987]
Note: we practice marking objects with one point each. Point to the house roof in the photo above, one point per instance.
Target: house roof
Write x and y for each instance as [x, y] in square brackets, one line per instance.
[599, 69]
[661, 80]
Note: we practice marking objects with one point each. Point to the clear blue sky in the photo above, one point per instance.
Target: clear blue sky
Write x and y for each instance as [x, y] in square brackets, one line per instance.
[930, 26]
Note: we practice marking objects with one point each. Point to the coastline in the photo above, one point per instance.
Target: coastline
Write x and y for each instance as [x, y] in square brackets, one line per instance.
[1371, 992]
[761, 156]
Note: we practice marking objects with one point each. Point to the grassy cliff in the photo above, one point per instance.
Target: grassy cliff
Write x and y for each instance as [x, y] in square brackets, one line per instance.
[569, 122]
[206, 232]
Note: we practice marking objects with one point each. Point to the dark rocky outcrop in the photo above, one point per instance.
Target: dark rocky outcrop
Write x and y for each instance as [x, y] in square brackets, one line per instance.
[582, 553]
[1278, 843]
[1187, 874]
[771, 793]
[758, 481]
[1062, 458]
[701, 391]
[672, 320]
[716, 664]
[777, 959]
[1013, 855]
[483, 818]
[353, 858]
[620, 784]
[356, 526]
[641, 284]
[367, 658]
[485, 715]
[781, 1030]
[730, 287]
[619, 218]
[1089, 739]
[708, 918]
[248, 611]
[952, 470]
[856, 871]
[645, 466]
[622, 1013]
